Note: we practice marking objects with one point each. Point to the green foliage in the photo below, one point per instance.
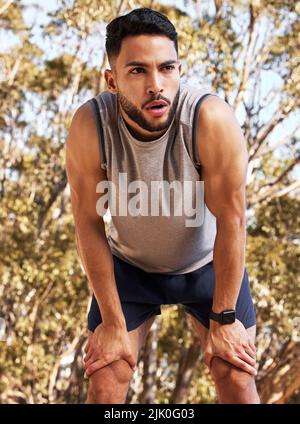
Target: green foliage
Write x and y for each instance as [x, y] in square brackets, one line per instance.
[273, 261]
[44, 293]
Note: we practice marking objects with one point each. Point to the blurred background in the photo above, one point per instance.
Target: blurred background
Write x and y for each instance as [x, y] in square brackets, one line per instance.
[52, 59]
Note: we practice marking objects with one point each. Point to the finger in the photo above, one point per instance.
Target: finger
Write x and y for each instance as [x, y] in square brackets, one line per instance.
[92, 359]
[88, 355]
[235, 360]
[252, 346]
[207, 358]
[250, 351]
[95, 366]
[87, 346]
[130, 359]
[245, 357]
[106, 358]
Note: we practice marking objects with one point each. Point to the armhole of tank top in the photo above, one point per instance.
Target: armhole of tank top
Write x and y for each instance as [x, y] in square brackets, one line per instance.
[197, 163]
[98, 120]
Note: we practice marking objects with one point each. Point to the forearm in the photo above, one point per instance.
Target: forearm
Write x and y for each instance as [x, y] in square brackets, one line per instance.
[229, 262]
[97, 261]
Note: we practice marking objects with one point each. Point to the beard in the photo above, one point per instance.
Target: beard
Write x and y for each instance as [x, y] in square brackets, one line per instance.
[138, 117]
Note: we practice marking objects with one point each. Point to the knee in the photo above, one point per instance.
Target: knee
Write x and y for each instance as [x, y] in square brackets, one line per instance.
[223, 373]
[110, 384]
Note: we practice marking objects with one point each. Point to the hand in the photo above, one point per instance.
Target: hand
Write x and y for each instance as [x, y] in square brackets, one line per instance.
[107, 344]
[232, 343]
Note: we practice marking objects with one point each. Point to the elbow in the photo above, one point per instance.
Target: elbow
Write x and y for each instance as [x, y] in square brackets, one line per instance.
[233, 221]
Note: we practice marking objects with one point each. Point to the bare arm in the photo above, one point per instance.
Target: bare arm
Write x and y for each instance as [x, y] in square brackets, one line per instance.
[224, 156]
[84, 172]
[110, 340]
[223, 151]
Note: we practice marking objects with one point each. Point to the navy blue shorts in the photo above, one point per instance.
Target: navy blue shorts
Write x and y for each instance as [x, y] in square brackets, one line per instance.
[142, 293]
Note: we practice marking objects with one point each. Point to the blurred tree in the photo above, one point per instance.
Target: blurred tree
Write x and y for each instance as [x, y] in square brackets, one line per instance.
[273, 261]
[234, 46]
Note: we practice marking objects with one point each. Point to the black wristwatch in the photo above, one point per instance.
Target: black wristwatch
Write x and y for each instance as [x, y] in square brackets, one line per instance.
[224, 317]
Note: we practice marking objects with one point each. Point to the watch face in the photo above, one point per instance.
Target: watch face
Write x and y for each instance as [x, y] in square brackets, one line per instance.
[228, 317]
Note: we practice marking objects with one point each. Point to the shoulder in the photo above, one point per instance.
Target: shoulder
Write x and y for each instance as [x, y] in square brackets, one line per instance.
[219, 136]
[215, 110]
[82, 150]
[83, 118]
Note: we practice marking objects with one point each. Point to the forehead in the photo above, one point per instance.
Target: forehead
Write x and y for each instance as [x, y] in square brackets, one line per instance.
[146, 47]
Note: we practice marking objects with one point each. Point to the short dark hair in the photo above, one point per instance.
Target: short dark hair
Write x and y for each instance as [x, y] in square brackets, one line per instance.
[137, 22]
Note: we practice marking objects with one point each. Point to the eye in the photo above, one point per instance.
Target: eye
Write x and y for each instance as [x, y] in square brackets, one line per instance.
[169, 68]
[135, 70]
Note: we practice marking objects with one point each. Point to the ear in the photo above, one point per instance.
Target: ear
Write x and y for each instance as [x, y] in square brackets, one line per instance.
[180, 69]
[110, 81]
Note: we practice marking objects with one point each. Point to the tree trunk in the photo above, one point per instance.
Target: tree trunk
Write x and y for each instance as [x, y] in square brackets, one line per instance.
[186, 368]
[281, 379]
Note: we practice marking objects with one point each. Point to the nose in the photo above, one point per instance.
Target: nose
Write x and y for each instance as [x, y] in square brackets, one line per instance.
[154, 85]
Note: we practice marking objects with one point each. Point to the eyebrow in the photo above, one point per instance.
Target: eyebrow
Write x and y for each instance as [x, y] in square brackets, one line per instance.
[136, 63]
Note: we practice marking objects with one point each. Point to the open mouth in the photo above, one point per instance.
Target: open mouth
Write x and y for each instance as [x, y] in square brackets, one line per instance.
[157, 107]
[157, 110]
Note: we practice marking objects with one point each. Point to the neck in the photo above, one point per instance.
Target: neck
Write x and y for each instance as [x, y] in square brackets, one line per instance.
[142, 137]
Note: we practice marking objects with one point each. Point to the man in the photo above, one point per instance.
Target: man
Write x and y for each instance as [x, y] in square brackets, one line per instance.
[146, 256]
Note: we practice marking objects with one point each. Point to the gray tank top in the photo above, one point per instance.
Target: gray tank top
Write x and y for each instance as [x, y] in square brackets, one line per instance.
[159, 243]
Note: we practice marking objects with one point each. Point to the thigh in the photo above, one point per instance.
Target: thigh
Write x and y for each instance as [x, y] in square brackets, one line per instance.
[138, 335]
